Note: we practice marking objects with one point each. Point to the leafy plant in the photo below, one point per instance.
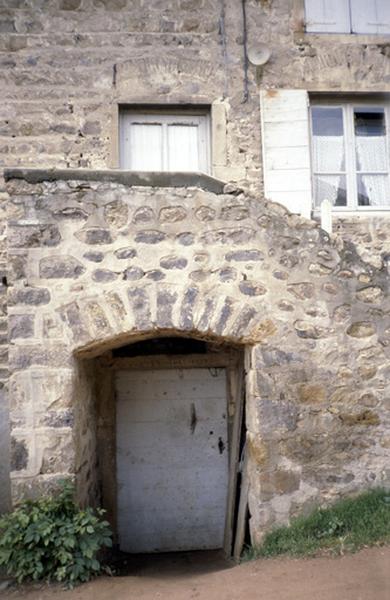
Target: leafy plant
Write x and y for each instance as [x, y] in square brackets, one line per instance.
[345, 526]
[51, 538]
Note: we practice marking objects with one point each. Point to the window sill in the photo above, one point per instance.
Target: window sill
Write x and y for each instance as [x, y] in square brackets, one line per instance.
[372, 39]
[352, 212]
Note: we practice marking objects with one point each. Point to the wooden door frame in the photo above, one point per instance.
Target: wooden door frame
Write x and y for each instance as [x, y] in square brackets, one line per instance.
[232, 360]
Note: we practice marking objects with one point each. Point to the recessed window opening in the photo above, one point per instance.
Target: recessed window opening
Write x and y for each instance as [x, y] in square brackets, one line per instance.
[350, 154]
[165, 140]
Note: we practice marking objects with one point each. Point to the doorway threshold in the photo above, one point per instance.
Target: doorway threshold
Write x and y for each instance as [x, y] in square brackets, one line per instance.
[170, 564]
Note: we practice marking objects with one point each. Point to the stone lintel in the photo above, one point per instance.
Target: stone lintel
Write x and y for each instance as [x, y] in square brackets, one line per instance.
[129, 178]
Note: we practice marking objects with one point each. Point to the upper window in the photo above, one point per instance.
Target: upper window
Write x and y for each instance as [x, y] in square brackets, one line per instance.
[350, 154]
[164, 140]
[347, 16]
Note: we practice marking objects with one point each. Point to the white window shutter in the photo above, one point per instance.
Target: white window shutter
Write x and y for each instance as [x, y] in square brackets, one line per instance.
[286, 149]
[327, 16]
[371, 16]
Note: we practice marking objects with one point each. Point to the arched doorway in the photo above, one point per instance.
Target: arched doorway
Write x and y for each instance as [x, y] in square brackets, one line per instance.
[170, 436]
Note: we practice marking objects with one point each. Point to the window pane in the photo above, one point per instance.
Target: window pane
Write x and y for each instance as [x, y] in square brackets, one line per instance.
[146, 147]
[330, 187]
[370, 135]
[183, 152]
[328, 139]
[373, 190]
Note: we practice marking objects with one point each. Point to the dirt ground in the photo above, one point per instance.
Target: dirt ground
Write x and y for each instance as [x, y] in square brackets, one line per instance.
[207, 576]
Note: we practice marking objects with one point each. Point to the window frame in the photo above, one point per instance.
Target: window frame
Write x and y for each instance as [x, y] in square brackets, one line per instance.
[348, 105]
[165, 116]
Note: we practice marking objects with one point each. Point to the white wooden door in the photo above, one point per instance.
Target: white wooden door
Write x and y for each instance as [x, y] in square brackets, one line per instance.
[172, 459]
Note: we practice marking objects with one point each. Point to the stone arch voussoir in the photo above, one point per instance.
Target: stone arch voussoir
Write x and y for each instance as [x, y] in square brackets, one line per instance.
[98, 322]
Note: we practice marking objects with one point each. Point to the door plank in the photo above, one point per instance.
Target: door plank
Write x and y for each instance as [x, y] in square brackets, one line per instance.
[172, 459]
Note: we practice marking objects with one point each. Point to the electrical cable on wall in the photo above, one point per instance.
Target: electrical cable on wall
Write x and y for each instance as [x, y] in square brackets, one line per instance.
[222, 33]
[246, 62]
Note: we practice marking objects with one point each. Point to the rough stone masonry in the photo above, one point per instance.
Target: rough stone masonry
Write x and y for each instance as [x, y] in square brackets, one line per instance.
[93, 259]
[95, 263]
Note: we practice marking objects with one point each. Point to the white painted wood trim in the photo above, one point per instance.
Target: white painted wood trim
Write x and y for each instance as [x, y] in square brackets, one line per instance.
[326, 216]
[285, 132]
[327, 16]
[371, 17]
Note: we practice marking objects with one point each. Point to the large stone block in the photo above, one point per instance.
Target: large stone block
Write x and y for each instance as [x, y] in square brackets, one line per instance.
[33, 296]
[19, 454]
[21, 326]
[94, 236]
[58, 453]
[40, 391]
[33, 236]
[278, 482]
[60, 267]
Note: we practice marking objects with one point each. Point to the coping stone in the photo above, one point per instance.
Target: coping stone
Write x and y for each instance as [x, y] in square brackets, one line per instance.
[128, 178]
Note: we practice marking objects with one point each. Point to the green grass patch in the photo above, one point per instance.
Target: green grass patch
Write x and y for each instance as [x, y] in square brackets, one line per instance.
[346, 526]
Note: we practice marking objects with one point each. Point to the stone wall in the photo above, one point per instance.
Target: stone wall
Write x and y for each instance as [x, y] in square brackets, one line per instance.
[68, 64]
[369, 236]
[330, 63]
[67, 67]
[316, 62]
[95, 264]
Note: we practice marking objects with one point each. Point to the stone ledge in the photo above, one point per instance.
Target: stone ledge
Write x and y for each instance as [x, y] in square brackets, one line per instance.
[129, 178]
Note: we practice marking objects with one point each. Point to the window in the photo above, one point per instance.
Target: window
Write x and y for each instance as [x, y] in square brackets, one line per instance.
[347, 16]
[350, 154]
[337, 151]
[164, 140]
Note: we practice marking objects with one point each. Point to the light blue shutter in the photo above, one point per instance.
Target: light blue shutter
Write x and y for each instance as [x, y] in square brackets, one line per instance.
[370, 16]
[327, 16]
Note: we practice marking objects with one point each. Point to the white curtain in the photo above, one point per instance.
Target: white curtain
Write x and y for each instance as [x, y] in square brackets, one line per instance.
[183, 154]
[371, 157]
[146, 147]
[329, 154]
[373, 190]
[332, 188]
[371, 154]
